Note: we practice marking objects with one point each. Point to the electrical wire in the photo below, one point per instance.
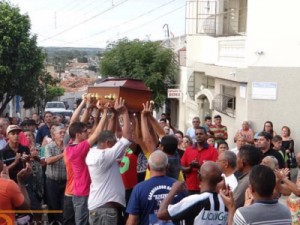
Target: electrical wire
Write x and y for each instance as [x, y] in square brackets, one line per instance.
[168, 13]
[85, 21]
[110, 40]
[80, 9]
[121, 24]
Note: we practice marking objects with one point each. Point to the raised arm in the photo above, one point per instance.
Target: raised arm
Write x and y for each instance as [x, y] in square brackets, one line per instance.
[284, 185]
[76, 113]
[93, 138]
[154, 123]
[163, 213]
[122, 110]
[88, 109]
[96, 119]
[147, 136]
[137, 132]
[113, 120]
[227, 197]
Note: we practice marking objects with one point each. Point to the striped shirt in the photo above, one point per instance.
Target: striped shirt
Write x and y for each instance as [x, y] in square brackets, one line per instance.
[55, 171]
[206, 208]
[266, 213]
[220, 132]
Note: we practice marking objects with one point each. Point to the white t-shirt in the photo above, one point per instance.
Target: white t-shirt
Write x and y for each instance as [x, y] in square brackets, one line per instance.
[191, 132]
[107, 184]
[235, 150]
[231, 181]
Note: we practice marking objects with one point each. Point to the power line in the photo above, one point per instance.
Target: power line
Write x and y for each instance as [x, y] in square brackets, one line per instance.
[76, 25]
[121, 24]
[70, 8]
[168, 13]
[150, 21]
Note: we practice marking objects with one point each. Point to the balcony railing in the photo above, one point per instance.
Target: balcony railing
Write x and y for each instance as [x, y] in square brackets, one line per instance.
[231, 51]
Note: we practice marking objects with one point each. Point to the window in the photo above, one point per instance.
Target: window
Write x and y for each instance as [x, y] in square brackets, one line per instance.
[225, 102]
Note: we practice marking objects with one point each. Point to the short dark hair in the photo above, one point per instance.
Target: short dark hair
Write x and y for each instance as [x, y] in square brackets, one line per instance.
[75, 128]
[277, 138]
[200, 128]
[222, 143]
[179, 132]
[106, 135]
[163, 120]
[207, 118]
[217, 117]
[169, 142]
[262, 180]
[266, 135]
[250, 155]
[48, 112]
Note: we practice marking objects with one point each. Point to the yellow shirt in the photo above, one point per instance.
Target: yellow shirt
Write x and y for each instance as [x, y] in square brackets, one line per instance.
[147, 155]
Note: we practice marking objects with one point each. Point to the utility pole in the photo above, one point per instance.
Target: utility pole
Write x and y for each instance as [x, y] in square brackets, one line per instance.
[167, 33]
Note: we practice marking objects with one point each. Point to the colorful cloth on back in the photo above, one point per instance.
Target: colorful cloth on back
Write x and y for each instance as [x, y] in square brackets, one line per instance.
[128, 169]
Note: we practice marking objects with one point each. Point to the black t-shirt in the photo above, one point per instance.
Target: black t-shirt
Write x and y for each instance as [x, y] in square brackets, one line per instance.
[8, 157]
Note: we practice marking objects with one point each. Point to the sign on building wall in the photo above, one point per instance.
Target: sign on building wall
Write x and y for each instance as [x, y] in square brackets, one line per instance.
[264, 90]
[243, 91]
[174, 93]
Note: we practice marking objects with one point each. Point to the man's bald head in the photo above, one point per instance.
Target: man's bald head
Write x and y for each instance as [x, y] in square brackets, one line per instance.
[211, 173]
[158, 161]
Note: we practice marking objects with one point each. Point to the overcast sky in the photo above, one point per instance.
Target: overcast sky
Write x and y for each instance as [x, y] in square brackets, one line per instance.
[93, 23]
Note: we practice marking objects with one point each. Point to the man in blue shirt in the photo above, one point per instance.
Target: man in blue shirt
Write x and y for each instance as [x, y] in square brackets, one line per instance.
[147, 195]
[45, 129]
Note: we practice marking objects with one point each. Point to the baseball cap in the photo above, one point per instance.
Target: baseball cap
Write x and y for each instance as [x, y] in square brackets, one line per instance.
[256, 136]
[11, 128]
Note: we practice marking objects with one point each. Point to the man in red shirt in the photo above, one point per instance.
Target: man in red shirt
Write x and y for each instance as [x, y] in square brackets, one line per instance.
[194, 157]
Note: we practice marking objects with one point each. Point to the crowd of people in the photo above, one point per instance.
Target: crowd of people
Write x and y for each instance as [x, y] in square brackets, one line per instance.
[108, 165]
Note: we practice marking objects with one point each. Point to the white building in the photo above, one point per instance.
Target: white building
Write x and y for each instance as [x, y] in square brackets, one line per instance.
[242, 62]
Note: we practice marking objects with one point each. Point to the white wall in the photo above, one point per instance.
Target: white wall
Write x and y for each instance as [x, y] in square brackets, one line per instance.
[202, 49]
[273, 27]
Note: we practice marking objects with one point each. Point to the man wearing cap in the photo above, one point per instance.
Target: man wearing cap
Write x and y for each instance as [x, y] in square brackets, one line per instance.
[14, 154]
[219, 131]
[4, 123]
[255, 138]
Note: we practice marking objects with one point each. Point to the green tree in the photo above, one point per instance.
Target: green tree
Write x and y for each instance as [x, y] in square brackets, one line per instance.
[144, 60]
[21, 60]
[52, 92]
